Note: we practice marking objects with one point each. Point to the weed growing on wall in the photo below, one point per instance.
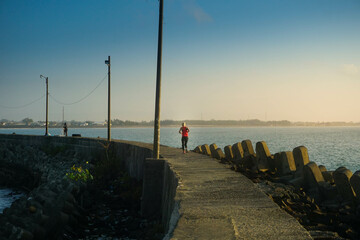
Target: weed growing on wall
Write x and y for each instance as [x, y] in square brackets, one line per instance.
[79, 174]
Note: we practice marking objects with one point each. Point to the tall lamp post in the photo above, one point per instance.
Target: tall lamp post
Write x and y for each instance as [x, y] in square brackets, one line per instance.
[107, 62]
[47, 104]
[156, 148]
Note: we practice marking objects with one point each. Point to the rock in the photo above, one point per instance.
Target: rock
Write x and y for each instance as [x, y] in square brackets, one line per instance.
[297, 182]
[26, 235]
[342, 180]
[32, 209]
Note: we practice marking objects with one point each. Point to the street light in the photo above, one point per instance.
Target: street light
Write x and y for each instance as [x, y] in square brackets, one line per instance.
[107, 62]
[47, 103]
[156, 147]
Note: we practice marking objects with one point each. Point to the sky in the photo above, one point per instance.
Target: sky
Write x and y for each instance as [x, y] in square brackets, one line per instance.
[293, 60]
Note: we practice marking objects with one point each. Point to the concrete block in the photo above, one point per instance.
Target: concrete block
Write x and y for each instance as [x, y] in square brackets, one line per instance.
[312, 176]
[355, 184]
[198, 149]
[213, 147]
[218, 154]
[205, 149]
[328, 176]
[301, 158]
[342, 177]
[322, 168]
[238, 151]
[328, 191]
[263, 156]
[228, 153]
[284, 163]
[248, 147]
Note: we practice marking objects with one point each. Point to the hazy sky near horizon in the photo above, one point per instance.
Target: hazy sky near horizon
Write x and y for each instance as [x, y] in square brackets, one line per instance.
[266, 59]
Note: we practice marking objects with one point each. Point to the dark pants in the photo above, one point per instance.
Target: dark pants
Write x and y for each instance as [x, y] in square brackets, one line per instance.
[184, 141]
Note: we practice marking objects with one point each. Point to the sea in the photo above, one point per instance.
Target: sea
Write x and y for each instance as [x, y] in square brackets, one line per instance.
[329, 146]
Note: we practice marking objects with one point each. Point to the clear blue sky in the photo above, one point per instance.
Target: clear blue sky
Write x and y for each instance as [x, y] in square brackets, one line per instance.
[297, 60]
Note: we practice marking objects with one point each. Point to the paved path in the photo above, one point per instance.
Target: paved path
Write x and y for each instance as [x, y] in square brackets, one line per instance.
[218, 203]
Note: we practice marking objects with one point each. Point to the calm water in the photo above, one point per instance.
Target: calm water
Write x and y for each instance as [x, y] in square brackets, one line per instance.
[330, 146]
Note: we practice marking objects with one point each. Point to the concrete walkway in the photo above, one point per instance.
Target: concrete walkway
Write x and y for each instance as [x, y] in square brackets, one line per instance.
[218, 203]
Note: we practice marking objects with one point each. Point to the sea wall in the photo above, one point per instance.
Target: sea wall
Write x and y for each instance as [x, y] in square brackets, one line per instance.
[53, 196]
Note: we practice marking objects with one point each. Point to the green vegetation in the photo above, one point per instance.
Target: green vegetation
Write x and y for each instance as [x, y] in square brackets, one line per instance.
[79, 174]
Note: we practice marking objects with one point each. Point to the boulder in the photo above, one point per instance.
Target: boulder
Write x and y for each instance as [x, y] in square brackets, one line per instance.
[342, 177]
[205, 149]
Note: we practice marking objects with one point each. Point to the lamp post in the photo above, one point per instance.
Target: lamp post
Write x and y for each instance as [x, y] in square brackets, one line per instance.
[47, 104]
[107, 62]
[156, 148]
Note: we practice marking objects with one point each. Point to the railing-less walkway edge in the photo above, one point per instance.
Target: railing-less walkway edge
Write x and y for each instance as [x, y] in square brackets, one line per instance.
[217, 203]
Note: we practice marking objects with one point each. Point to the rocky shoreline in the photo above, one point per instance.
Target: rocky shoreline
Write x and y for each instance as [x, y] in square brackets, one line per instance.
[57, 207]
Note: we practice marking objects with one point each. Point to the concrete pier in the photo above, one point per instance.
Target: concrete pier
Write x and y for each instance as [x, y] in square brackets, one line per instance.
[199, 198]
[217, 203]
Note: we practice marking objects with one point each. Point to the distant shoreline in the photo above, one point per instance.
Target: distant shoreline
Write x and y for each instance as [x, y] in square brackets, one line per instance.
[174, 126]
[116, 123]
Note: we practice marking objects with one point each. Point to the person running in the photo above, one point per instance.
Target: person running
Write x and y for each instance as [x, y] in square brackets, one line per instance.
[65, 129]
[184, 131]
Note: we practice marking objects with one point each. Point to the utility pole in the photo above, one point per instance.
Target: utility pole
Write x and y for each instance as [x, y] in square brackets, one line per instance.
[156, 148]
[47, 104]
[107, 62]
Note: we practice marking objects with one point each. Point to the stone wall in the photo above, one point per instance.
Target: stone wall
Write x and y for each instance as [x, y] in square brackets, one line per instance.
[59, 199]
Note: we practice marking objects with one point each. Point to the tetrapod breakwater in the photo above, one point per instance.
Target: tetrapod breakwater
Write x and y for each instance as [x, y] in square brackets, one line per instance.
[327, 203]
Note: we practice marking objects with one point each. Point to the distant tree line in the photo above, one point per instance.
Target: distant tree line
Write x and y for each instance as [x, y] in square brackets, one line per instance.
[28, 122]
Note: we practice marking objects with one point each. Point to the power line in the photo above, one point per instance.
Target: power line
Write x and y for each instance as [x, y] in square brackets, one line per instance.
[81, 99]
[22, 106]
